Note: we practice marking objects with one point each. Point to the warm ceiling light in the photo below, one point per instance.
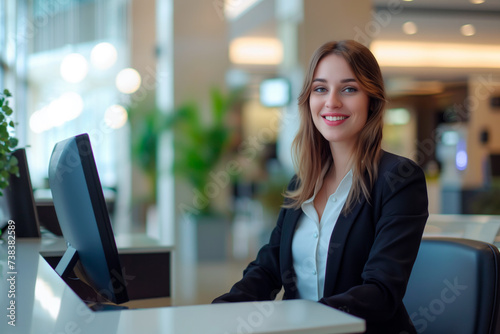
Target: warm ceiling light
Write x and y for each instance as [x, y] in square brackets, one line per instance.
[234, 9]
[397, 116]
[103, 56]
[256, 51]
[476, 2]
[468, 30]
[421, 54]
[70, 105]
[61, 110]
[410, 28]
[115, 116]
[74, 68]
[128, 81]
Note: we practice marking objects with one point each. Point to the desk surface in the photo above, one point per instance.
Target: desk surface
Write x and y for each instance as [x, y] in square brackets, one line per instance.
[45, 304]
[135, 243]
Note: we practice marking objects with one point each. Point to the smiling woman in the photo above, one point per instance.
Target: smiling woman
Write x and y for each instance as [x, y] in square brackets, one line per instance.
[351, 224]
[360, 86]
[336, 100]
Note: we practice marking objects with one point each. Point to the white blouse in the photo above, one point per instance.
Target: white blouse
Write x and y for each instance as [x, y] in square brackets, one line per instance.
[312, 237]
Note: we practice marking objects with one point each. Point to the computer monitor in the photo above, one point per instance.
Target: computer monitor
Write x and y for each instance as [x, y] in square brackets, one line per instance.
[274, 92]
[84, 220]
[17, 203]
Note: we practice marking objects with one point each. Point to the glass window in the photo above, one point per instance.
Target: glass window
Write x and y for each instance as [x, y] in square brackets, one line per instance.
[71, 89]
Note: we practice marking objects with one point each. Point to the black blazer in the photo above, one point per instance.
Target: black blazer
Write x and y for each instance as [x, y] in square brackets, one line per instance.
[371, 254]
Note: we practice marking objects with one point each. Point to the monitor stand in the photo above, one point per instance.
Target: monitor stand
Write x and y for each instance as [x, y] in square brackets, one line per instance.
[67, 262]
[67, 266]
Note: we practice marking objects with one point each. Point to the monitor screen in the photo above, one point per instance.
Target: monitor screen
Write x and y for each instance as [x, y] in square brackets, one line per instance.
[84, 220]
[17, 203]
[274, 92]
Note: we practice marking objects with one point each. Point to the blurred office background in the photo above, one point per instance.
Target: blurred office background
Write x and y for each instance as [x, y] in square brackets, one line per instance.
[191, 107]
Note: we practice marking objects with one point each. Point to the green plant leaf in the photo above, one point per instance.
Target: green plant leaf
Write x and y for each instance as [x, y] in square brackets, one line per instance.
[13, 142]
[4, 134]
[13, 161]
[218, 105]
[8, 163]
[8, 111]
[14, 170]
[201, 137]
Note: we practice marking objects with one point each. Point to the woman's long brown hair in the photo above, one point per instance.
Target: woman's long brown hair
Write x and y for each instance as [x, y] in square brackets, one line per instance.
[311, 151]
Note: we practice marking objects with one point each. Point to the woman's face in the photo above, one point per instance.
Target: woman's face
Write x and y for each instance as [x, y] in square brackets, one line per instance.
[339, 107]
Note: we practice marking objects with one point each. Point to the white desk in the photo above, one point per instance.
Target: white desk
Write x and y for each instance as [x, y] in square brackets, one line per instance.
[477, 227]
[145, 260]
[45, 304]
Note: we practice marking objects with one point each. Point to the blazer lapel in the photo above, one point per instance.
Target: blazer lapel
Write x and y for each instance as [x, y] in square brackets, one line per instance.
[337, 243]
[289, 224]
[286, 259]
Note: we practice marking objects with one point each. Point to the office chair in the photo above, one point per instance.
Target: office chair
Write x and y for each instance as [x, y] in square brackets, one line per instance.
[454, 287]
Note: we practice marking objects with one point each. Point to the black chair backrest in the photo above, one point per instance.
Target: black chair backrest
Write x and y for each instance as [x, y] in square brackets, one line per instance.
[454, 287]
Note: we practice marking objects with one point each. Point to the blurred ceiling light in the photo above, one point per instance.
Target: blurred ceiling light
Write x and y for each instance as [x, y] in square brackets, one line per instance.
[71, 104]
[461, 160]
[128, 81]
[450, 138]
[47, 118]
[103, 56]
[74, 68]
[234, 9]
[55, 113]
[256, 51]
[39, 122]
[63, 109]
[410, 28]
[476, 2]
[468, 30]
[422, 54]
[115, 116]
[461, 155]
[397, 116]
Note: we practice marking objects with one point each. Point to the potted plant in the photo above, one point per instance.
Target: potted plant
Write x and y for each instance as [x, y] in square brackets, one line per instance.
[202, 138]
[200, 144]
[8, 162]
